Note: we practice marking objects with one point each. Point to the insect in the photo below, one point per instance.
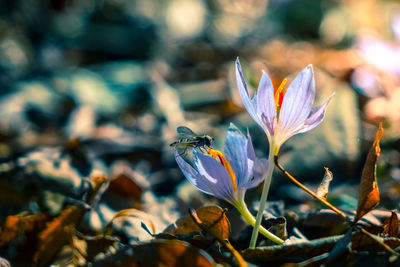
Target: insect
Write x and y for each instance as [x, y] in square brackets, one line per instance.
[188, 139]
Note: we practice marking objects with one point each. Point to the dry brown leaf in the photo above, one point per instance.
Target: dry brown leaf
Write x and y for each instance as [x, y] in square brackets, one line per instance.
[323, 187]
[158, 253]
[212, 217]
[88, 247]
[10, 229]
[274, 255]
[171, 253]
[391, 226]
[368, 196]
[57, 233]
[17, 224]
[362, 242]
[124, 186]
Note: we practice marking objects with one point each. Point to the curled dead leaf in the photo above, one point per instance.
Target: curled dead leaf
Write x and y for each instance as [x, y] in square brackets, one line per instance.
[212, 217]
[391, 226]
[323, 188]
[368, 196]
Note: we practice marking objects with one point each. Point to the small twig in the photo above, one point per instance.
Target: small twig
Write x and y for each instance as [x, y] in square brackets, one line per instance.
[378, 240]
[199, 223]
[279, 166]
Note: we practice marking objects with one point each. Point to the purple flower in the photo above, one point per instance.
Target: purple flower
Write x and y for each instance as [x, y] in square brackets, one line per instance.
[284, 113]
[379, 53]
[379, 64]
[226, 175]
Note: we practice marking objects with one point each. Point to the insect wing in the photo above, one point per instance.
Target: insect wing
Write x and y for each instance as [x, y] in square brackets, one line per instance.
[185, 132]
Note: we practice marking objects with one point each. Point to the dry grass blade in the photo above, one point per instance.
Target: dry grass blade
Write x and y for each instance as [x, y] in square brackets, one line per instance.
[130, 213]
[368, 196]
[380, 241]
[294, 180]
[313, 261]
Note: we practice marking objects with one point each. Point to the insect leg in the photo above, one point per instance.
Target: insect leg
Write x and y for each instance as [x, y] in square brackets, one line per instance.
[183, 153]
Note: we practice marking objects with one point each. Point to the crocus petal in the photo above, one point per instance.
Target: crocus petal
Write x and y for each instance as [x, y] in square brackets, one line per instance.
[251, 158]
[249, 104]
[194, 176]
[297, 102]
[260, 169]
[213, 171]
[266, 104]
[316, 116]
[239, 153]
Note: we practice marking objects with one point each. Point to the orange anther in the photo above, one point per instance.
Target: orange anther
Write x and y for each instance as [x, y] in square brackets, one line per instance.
[279, 94]
[215, 153]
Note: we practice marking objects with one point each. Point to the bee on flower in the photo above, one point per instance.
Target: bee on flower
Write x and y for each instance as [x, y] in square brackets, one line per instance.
[189, 139]
[228, 175]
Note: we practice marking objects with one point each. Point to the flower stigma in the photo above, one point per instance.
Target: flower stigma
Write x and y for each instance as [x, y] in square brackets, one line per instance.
[216, 153]
[279, 95]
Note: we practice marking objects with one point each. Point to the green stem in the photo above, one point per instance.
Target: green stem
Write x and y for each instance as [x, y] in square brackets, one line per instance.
[264, 195]
[249, 218]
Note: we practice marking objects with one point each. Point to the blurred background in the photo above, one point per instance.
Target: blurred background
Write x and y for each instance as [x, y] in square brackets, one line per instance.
[91, 88]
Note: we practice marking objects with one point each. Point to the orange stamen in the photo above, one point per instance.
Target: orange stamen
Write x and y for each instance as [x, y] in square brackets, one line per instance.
[279, 94]
[215, 153]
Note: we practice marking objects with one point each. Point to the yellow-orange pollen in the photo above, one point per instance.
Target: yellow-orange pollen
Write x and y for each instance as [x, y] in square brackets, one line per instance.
[279, 94]
[215, 153]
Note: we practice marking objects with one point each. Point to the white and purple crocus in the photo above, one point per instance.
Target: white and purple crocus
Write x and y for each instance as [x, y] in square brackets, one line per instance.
[281, 114]
[228, 175]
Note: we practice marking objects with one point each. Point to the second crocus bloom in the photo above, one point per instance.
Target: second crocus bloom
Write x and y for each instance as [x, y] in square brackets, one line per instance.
[228, 175]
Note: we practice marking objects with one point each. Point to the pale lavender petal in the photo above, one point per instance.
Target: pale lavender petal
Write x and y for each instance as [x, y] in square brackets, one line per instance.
[249, 104]
[297, 102]
[212, 170]
[193, 175]
[251, 157]
[260, 170]
[316, 116]
[266, 103]
[239, 153]
[210, 178]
